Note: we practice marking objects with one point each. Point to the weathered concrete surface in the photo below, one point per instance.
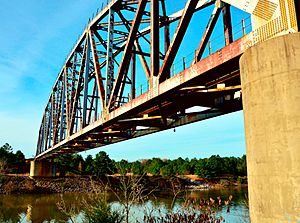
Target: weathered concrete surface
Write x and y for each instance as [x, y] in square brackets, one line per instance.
[41, 169]
[270, 75]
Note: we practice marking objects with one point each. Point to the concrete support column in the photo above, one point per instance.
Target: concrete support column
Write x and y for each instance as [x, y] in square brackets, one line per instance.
[41, 169]
[270, 75]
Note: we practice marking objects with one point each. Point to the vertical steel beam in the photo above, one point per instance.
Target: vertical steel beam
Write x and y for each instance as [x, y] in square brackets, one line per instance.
[96, 106]
[227, 24]
[133, 72]
[121, 91]
[52, 120]
[98, 74]
[41, 137]
[78, 89]
[56, 110]
[109, 56]
[167, 26]
[167, 36]
[63, 104]
[243, 27]
[92, 103]
[103, 42]
[163, 7]
[177, 39]
[167, 43]
[67, 98]
[137, 47]
[53, 112]
[154, 41]
[86, 82]
[123, 68]
[77, 118]
[73, 91]
[48, 138]
[143, 60]
[38, 148]
[207, 33]
[44, 133]
[53, 105]
[46, 127]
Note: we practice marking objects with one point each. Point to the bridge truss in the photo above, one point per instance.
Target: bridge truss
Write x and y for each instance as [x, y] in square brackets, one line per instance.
[98, 99]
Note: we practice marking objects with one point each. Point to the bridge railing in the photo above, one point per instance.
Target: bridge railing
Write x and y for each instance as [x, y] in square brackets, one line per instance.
[240, 29]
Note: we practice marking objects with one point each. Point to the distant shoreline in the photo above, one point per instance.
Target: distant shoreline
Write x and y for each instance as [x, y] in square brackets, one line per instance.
[84, 184]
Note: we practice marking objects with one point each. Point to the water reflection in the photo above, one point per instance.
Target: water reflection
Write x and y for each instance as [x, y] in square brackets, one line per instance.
[43, 208]
[33, 208]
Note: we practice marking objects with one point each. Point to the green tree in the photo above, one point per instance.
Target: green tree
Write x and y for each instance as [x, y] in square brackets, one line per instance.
[153, 166]
[5, 149]
[102, 164]
[89, 165]
[19, 161]
[123, 167]
[64, 164]
[201, 169]
[7, 159]
[5, 154]
[230, 165]
[211, 167]
[77, 163]
[69, 163]
[168, 170]
[183, 166]
[193, 165]
[137, 168]
[242, 166]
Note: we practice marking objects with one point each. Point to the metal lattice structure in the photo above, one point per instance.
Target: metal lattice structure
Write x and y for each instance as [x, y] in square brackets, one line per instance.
[96, 99]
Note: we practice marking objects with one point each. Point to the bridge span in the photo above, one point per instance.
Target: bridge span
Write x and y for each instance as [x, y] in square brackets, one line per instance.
[140, 67]
[97, 98]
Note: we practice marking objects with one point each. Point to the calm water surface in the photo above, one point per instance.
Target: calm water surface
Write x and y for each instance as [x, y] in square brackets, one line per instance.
[43, 208]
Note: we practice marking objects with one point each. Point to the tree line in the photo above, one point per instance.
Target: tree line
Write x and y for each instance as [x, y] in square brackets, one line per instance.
[101, 164]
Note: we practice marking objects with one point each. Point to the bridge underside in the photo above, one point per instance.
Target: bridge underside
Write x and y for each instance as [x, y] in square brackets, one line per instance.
[205, 90]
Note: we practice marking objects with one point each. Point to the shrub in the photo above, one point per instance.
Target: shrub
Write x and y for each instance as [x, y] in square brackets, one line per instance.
[102, 212]
[242, 180]
[193, 211]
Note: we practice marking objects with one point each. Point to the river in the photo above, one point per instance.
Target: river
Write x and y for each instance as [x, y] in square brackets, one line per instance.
[41, 208]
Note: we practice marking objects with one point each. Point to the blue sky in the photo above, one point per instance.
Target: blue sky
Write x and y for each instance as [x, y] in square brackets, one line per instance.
[36, 37]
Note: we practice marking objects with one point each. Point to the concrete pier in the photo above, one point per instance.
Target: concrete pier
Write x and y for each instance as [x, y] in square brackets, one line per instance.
[270, 75]
[41, 169]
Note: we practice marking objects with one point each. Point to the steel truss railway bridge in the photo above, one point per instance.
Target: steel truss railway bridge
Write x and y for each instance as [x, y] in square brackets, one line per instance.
[97, 98]
[143, 66]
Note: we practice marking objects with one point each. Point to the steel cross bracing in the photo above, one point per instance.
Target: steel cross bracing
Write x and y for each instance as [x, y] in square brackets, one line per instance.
[97, 100]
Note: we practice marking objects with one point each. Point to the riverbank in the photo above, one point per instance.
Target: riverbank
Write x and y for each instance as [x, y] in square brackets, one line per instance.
[25, 184]
[84, 184]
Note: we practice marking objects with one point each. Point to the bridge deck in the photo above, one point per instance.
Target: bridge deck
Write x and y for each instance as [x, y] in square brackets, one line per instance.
[163, 106]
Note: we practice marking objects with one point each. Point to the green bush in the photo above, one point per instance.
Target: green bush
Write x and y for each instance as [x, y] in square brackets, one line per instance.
[241, 180]
[102, 212]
